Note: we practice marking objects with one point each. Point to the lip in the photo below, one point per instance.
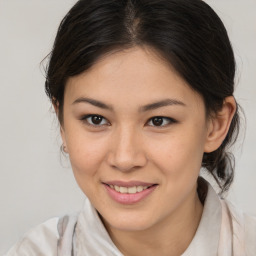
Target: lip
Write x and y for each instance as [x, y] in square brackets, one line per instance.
[129, 199]
[128, 183]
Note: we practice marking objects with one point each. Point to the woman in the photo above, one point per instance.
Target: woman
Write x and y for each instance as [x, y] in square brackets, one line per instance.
[143, 91]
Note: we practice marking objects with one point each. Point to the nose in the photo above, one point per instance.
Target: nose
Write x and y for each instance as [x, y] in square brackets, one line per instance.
[126, 151]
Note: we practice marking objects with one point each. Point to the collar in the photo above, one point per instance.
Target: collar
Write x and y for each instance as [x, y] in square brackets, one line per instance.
[206, 239]
[91, 237]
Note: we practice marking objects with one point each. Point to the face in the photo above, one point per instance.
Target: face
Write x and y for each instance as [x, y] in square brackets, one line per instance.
[135, 133]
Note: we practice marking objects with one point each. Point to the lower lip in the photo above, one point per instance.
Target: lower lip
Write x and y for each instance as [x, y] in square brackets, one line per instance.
[129, 198]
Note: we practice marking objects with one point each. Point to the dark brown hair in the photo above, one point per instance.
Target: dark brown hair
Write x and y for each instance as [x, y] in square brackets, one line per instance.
[188, 34]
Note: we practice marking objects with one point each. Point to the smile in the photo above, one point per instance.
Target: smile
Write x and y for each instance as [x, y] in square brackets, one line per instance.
[128, 190]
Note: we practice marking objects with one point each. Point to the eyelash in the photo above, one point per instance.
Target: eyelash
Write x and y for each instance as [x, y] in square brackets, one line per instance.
[85, 120]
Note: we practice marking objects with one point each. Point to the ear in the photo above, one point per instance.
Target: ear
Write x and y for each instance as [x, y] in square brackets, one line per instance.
[62, 132]
[55, 105]
[219, 124]
[63, 136]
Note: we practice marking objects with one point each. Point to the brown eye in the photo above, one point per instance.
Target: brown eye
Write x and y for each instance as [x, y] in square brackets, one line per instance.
[157, 121]
[160, 121]
[94, 120]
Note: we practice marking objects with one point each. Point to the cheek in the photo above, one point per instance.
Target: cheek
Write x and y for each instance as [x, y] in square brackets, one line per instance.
[86, 154]
[179, 156]
[86, 157]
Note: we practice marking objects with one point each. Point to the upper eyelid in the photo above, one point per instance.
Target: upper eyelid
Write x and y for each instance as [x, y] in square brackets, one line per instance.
[90, 115]
[164, 117]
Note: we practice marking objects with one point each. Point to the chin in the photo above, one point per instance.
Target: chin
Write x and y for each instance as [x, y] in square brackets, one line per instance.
[127, 222]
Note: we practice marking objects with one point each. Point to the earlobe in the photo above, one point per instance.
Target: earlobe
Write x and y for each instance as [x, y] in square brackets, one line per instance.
[219, 125]
[55, 105]
[64, 144]
[62, 132]
[64, 148]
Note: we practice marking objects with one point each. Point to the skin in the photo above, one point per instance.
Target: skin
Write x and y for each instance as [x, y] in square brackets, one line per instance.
[128, 146]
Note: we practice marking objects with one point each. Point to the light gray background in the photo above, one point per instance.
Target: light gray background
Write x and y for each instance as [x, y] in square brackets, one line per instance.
[35, 182]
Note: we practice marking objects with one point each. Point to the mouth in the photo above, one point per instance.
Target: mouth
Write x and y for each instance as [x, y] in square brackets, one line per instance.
[129, 189]
[129, 192]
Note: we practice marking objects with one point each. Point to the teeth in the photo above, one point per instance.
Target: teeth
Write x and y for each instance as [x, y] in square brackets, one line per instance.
[130, 190]
[123, 190]
[139, 188]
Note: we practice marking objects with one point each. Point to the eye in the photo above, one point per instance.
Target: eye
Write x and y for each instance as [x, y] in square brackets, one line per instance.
[161, 121]
[95, 120]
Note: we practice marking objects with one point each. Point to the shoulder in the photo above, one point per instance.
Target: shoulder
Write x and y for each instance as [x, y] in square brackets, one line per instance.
[244, 228]
[53, 237]
[246, 221]
[41, 240]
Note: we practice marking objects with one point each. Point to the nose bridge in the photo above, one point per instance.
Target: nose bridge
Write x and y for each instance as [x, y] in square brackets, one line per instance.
[126, 141]
[127, 151]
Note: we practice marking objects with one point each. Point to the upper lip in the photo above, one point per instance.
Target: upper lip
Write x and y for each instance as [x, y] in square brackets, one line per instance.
[132, 183]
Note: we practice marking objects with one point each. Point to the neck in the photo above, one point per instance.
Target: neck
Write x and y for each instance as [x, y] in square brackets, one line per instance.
[170, 237]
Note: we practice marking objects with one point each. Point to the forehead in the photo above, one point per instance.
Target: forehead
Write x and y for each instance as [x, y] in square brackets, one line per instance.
[133, 76]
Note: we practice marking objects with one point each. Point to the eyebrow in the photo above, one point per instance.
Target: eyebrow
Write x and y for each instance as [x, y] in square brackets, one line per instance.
[93, 102]
[162, 103]
[151, 106]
